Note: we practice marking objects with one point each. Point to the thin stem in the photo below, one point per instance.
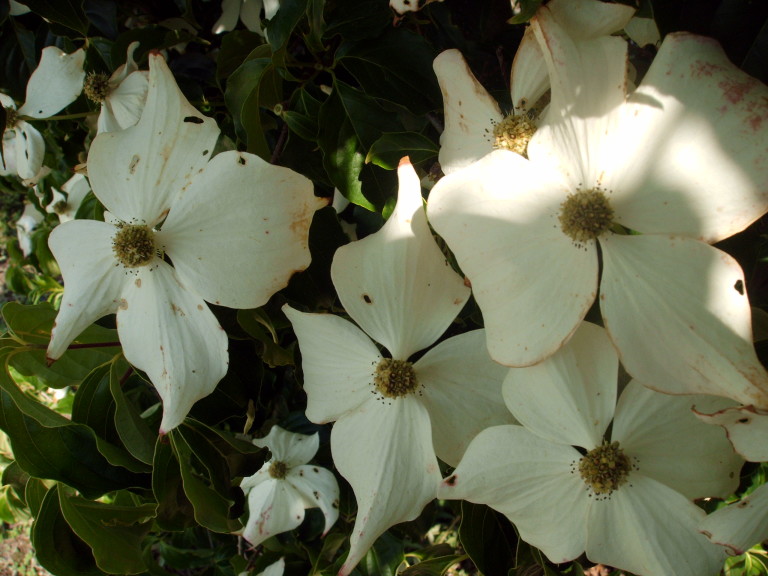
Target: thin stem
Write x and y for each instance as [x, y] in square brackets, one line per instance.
[62, 116]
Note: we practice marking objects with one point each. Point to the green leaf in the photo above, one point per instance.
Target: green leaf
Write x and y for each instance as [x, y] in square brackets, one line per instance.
[357, 19]
[33, 324]
[47, 445]
[58, 549]
[94, 405]
[257, 324]
[434, 566]
[383, 558]
[396, 66]
[281, 26]
[253, 86]
[488, 538]
[390, 148]
[174, 510]
[236, 46]
[135, 432]
[68, 13]
[211, 508]
[527, 10]
[114, 533]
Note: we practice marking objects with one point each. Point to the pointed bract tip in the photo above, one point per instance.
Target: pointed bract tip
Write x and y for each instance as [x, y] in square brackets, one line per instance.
[49, 361]
[405, 160]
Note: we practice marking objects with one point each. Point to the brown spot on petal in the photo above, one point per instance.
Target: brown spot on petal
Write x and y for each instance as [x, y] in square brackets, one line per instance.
[133, 164]
[138, 282]
[451, 480]
[367, 298]
[123, 304]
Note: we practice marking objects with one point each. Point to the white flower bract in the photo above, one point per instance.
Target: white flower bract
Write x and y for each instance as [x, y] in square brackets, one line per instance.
[286, 485]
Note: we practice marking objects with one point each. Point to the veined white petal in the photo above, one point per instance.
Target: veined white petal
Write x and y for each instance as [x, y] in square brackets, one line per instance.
[669, 444]
[568, 398]
[319, 489]
[647, 528]
[256, 224]
[172, 335]
[396, 283]
[500, 218]
[470, 113]
[461, 389]
[745, 426]
[254, 480]
[139, 172]
[338, 361]
[690, 154]
[289, 448]
[274, 507]
[740, 525]
[124, 70]
[385, 452]
[93, 283]
[677, 311]
[56, 82]
[529, 480]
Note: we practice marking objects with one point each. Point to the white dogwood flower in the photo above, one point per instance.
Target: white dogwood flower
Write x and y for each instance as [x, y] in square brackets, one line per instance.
[26, 224]
[56, 82]
[234, 226]
[474, 122]
[287, 485]
[568, 488]
[65, 206]
[394, 416]
[121, 95]
[649, 182]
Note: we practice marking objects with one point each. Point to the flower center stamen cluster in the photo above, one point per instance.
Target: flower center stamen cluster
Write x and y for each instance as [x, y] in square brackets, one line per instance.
[96, 87]
[585, 215]
[278, 470]
[605, 468]
[134, 245]
[513, 133]
[395, 378]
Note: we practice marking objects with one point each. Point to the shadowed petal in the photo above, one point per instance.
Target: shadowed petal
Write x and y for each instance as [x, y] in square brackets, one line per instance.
[568, 398]
[677, 311]
[385, 452]
[672, 446]
[741, 525]
[647, 528]
[94, 284]
[529, 480]
[461, 389]
[338, 361]
[396, 283]
[170, 333]
[290, 448]
[319, 489]
[240, 214]
[274, 507]
[30, 150]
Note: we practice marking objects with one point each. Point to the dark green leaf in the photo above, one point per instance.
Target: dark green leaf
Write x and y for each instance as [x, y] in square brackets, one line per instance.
[57, 547]
[488, 538]
[68, 13]
[94, 405]
[396, 66]
[211, 508]
[434, 566]
[281, 26]
[357, 19]
[174, 510]
[257, 324]
[235, 48]
[32, 325]
[114, 533]
[527, 10]
[390, 148]
[383, 558]
[135, 432]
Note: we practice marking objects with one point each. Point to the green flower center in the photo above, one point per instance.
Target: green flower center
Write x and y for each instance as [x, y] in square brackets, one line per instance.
[585, 215]
[395, 378]
[513, 133]
[134, 245]
[96, 87]
[605, 468]
[278, 470]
